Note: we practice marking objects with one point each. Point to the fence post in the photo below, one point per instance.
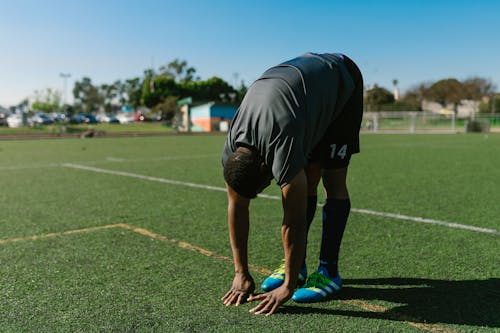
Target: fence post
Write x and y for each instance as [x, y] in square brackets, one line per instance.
[413, 118]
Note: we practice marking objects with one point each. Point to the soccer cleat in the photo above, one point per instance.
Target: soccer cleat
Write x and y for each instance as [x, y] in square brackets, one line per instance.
[277, 278]
[318, 287]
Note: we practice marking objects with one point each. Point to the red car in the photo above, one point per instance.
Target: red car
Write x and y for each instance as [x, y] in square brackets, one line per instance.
[139, 116]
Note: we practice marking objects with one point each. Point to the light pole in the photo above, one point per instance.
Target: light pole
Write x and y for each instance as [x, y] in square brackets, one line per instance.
[65, 77]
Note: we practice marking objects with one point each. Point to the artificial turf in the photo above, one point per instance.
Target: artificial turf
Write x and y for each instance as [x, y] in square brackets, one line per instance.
[400, 276]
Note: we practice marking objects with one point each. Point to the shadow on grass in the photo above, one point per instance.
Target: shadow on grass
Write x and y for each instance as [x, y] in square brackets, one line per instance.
[470, 302]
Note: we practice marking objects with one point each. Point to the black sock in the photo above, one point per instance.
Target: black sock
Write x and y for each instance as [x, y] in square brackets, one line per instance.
[312, 203]
[335, 214]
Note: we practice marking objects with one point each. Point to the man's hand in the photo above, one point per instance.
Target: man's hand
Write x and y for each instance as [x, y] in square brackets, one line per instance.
[243, 287]
[293, 231]
[271, 300]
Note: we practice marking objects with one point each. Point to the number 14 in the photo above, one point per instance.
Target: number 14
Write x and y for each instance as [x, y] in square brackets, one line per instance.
[342, 152]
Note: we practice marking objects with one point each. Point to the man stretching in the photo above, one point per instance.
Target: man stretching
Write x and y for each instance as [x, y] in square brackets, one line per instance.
[298, 123]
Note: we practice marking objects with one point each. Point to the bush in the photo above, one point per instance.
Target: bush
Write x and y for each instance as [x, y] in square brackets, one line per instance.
[477, 126]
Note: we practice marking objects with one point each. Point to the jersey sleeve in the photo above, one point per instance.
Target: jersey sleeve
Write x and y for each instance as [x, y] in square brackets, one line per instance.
[289, 159]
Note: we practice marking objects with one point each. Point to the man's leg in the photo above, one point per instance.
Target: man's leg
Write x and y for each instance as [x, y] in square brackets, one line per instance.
[326, 280]
[335, 214]
[340, 142]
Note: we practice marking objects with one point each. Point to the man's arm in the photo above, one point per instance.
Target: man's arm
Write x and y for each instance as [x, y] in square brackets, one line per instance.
[293, 233]
[238, 224]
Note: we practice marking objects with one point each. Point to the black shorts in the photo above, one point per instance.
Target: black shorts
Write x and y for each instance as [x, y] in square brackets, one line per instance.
[342, 136]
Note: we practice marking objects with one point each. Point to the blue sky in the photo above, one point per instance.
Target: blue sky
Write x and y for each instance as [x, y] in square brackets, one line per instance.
[412, 41]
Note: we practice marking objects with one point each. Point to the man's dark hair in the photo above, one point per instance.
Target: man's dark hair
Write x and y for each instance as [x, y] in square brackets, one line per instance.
[242, 172]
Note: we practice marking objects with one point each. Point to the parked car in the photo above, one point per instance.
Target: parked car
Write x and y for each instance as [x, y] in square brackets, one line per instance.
[83, 118]
[40, 119]
[58, 117]
[107, 118]
[15, 120]
[125, 118]
[139, 116]
[3, 117]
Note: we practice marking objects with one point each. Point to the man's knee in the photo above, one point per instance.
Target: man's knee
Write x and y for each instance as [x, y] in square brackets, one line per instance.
[334, 181]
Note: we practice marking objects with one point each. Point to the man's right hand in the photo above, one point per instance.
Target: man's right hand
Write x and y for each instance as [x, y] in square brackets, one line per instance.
[243, 287]
[271, 301]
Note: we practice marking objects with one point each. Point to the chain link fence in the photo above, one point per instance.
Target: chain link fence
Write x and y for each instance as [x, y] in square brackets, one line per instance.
[426, 122]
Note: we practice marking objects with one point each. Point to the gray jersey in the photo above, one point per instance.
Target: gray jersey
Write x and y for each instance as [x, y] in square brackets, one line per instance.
[287, 111]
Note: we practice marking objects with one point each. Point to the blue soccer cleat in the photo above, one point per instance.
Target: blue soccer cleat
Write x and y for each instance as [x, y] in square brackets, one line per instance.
[277, 278]
[318, 287]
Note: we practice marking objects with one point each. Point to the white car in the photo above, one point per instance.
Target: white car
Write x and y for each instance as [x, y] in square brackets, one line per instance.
[106, 118]
[125, 118]
[15, 120]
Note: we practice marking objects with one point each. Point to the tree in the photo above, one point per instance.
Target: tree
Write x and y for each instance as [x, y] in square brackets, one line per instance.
[176, 79]
[451, 91]
[110, 94]
[240, 90]
[132, 91]
[87, 96]
[376, 97]
[477, 88]
[416, 93]
[165, 86]
[155, 90]
[207, 90]
[495, 104]
[179, 71]
[47, 100]
[491, 104]
[414, 96]
[167, 108]
[447, 91]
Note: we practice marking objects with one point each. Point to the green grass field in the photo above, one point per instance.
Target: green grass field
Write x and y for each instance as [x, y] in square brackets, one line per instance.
[96, 237]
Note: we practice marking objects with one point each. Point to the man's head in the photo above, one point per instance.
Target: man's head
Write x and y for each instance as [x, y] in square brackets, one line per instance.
[246, 173]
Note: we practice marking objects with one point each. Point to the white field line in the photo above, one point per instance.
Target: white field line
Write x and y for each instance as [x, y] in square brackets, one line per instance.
[107, 160]
[429, 221]
[111, 159]
[115, 159]
[265, 196]
[143, 177]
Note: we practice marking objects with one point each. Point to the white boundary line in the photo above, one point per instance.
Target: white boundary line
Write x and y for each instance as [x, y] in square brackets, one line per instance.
[107, 160]
[138, 176]
[429, 221]
[265, 196]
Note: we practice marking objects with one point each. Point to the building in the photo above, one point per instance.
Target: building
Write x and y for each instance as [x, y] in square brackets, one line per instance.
[208, 117]
[465, 109]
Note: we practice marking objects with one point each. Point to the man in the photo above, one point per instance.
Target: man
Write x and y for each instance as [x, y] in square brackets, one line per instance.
[298, 123]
